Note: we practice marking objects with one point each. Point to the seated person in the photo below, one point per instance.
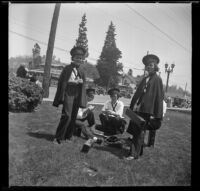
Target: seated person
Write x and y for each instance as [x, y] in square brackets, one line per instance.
[86, 114]
[111, 116]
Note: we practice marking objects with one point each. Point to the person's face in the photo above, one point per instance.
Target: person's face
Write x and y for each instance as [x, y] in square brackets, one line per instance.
[78, 60]
[150, 67]
[90, 98]
[114, 97]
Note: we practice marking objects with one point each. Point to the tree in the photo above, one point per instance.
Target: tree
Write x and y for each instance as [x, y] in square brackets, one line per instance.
[82, 37]
[108, 65]
[90, 70]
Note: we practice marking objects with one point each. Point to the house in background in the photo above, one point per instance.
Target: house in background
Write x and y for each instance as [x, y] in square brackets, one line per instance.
[127, 83]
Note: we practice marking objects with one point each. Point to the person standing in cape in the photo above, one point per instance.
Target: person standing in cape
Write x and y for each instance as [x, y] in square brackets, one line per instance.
[147, 102]
[71, 94]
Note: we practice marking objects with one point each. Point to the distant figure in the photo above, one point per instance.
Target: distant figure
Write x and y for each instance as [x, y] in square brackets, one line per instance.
[22, 72]
[71, 94]
[33, 78]
[147, 102]
[111, 117]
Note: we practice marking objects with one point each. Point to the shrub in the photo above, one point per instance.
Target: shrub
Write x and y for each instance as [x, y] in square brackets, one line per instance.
[24, 95]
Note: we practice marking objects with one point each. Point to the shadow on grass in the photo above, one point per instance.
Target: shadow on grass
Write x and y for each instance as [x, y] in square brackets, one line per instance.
[48, 137]
[120, 152]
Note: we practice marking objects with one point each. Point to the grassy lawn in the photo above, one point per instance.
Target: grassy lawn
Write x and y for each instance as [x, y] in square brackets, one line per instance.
[35, 161]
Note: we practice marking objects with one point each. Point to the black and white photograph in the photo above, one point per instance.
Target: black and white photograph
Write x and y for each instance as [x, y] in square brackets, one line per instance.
[99, 94]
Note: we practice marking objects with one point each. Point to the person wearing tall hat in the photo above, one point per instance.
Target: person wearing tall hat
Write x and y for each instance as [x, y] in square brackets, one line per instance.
[86, 115]
[147, 102]
[111, 117]
[71, 93]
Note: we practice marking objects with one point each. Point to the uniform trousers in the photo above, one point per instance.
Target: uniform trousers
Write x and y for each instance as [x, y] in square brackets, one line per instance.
[151, 138]
[69, 112]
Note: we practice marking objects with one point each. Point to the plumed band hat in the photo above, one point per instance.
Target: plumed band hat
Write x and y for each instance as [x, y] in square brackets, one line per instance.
[114, 91]
[90, 91]
[149, 58]
[77, 50]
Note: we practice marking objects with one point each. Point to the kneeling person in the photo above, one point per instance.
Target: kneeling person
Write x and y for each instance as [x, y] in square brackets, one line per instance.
[111, 116]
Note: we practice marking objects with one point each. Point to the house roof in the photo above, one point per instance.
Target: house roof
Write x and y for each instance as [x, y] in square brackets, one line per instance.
[131, 78]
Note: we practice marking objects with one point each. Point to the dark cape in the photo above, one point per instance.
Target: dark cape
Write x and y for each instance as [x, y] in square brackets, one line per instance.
[152, 100]
[62, 84]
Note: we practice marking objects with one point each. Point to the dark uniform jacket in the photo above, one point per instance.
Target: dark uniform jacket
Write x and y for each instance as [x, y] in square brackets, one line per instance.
[152, 100]
[62, 84]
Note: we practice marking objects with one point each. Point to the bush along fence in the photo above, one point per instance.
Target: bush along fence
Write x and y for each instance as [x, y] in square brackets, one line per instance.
[24, 96]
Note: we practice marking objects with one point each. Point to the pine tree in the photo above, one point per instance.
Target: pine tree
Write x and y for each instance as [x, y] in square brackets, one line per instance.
[108, 65]
[82, 38]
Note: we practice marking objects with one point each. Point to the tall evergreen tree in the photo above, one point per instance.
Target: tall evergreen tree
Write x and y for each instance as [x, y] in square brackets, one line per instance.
[82, 38]
[108, 65]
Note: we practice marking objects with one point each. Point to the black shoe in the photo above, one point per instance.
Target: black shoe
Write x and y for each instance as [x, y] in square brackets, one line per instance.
[99, 141]
[151, 146]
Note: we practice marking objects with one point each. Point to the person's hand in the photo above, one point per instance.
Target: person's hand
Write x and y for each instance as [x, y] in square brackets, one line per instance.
[111, 112]
[91, 107]
[80, 81]
[106, 112]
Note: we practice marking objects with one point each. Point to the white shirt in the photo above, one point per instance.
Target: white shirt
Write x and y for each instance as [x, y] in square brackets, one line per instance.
[80, 113]
[74, 75]
[118, 108]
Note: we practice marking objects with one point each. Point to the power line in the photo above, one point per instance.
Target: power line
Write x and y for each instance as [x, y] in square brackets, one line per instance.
[123, 21]
[58, 48]
[169, 37]
[34, 28]
[21, 24]
[44, 43]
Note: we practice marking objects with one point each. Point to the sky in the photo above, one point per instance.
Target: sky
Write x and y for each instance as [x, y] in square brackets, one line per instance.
[162, 29]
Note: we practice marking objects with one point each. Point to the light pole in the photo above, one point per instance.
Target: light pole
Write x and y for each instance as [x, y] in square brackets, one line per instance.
[169, 70]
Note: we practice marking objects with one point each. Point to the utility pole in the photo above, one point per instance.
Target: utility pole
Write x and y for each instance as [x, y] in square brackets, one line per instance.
[49, 54]
[168, 70]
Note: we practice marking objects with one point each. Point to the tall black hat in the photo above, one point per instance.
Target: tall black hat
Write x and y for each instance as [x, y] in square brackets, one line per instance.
[90, 92]
[149, 58]
[114, 91]
[77, 50]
